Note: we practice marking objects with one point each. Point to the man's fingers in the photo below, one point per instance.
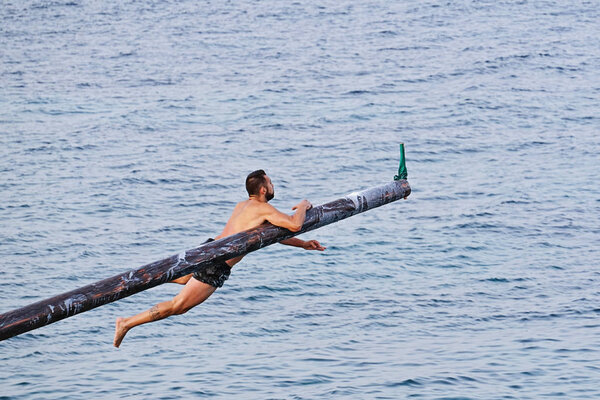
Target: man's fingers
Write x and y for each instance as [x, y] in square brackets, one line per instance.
[315, 245]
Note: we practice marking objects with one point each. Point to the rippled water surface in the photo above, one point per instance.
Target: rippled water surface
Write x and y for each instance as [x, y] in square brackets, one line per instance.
[127, 130]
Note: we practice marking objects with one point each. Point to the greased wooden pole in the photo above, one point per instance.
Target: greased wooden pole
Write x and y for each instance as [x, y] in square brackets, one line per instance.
[123, 285]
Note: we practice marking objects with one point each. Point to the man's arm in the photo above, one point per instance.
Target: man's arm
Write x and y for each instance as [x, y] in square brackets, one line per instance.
[295, 242]
[308, 245]
[292, 222]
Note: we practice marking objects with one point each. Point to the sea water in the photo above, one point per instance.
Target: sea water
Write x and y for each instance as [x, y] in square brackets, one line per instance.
[127, 130]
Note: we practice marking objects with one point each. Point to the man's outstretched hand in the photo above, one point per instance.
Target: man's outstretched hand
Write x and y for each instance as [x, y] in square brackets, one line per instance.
[313, 245]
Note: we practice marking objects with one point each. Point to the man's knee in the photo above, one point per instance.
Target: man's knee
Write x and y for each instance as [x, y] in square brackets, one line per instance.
[178, 306]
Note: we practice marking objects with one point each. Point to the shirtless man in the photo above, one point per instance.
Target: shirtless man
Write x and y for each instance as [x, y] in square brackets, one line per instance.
[200, 285]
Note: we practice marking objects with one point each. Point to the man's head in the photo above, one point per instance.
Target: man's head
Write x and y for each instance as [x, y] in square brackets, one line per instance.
[258, 183]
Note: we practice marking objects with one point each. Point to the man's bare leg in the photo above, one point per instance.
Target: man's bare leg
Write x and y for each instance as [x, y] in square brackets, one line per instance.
[183, 280]
[194, 293]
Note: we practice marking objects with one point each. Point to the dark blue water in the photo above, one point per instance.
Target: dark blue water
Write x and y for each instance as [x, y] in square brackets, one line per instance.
[126, 132]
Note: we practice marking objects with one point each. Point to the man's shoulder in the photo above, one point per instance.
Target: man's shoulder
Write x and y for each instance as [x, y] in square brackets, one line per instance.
[255, 206]
[265, 207]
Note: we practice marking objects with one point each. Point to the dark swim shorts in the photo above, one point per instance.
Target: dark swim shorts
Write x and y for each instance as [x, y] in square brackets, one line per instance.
[214, 275]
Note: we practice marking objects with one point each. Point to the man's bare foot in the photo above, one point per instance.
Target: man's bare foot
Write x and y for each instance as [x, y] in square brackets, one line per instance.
[120, 331]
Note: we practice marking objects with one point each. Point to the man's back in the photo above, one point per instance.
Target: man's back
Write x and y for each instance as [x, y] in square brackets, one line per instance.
[247, 214]
[250, 213]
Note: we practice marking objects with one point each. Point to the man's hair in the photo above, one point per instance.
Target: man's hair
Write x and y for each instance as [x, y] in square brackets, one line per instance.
[255, 181]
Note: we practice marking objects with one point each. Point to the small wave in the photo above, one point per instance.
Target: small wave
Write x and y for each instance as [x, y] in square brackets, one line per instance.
[357, 92]
[124, 54]
[536, 340]
[406, 382]
[407, 48]
[258, 297]
[313, 380]
[495, 280]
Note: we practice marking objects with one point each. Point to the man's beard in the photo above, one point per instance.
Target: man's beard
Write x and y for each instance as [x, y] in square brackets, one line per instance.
[269, 196]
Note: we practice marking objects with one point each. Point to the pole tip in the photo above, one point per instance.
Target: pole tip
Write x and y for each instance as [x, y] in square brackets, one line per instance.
[402, 172]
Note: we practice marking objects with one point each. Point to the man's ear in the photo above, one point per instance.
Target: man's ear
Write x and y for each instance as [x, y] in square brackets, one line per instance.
[263, 190]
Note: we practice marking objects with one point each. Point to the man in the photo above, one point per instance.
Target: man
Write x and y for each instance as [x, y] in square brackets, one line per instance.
[200, 285]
